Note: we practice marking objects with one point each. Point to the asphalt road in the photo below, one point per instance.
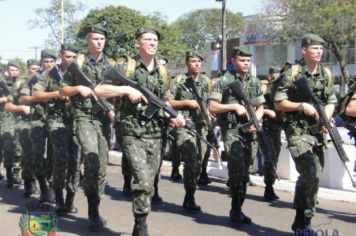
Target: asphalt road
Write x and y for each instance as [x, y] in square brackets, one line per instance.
[169, 218]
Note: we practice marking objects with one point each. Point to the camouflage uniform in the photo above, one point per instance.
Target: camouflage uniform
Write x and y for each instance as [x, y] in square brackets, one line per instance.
[307, 149]
[191, 148]
[9, 150]
[142, 138]
[22, 134]
[273, 128]
[89, 129]
[58, 130]
[237, 143]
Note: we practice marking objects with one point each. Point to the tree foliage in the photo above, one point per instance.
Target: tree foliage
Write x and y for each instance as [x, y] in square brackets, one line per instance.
[199, 26]
[50, 17]
[122, 23]
[333, 20]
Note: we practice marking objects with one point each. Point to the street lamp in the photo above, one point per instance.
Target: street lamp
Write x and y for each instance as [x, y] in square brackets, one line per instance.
[223, 35]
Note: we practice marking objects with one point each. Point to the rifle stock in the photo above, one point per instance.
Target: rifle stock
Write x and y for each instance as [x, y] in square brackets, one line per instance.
[264, 142]
[155, 103]
[303, 87]
[82, 79]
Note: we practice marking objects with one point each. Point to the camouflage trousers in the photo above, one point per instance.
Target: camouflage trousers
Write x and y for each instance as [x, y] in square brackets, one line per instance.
[38, 136]
[309, 158]
[94, 148]
[239, 150]
[8, 148]
[24, 139]
[269, 165]
[144, 156]
[192, 151]
[125, 165]
[58, 150]
[74, 160]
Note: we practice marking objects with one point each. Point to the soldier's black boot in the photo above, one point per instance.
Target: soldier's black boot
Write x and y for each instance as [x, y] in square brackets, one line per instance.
[9, 177]
[299, 224]
[16, 176]
[269, 194]
[236, 214]
[27, 188]
[60, 207]
[189, 201]
[140, 227]
[127, 189]
[43, 188]
[96, 222]
[175, 175]
[69, 207]
[1, 176]
[203, 178]
[156, 197]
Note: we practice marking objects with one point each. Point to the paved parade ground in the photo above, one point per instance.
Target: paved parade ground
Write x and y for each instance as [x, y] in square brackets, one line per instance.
[169, 218]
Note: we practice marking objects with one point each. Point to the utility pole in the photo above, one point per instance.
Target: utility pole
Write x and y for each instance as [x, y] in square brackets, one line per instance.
[223, 35]
[36, 48]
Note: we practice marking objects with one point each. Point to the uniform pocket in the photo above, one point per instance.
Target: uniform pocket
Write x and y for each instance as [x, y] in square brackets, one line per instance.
[301, 145]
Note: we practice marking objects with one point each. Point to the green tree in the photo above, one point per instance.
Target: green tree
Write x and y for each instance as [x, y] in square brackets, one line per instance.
[204, 25]
[50, 17]
[333, 20]
[122, 23]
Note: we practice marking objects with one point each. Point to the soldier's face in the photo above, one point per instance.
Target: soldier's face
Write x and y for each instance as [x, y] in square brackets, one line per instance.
[67, 57]
[48, 63]
[242, 64]
[32, 69]
[194, 65]
[12, 71]
[148, 43]
[96, 42]
[313, 53]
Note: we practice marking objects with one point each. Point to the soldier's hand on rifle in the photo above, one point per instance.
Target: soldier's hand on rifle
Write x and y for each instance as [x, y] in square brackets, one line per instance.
[310, 110]
[86, 91]
[270, 113]
[26, 109]
[193, 104]
[178, 122]
[241, 110]
[135, 96]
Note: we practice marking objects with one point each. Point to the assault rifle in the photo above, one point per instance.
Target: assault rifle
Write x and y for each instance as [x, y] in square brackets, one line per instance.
[155, 103]
[5, 89]
[204, 111]
[55, 74]
[99, 104]
[303, 87]
[264, 142]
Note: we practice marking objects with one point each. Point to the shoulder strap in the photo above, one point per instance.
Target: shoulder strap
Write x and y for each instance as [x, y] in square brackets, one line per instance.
[330, 79]
[208, 80]
[80, 60]
[163, 72]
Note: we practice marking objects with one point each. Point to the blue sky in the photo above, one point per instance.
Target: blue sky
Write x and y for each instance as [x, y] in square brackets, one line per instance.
[18, 40]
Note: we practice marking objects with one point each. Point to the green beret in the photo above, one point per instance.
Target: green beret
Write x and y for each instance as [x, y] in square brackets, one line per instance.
[31, 62]
[14, 63]
[48, 53]
[241, 51]
[144, 30]
[97, 29]
[312, 39]
[69, 47]
[193, 54]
